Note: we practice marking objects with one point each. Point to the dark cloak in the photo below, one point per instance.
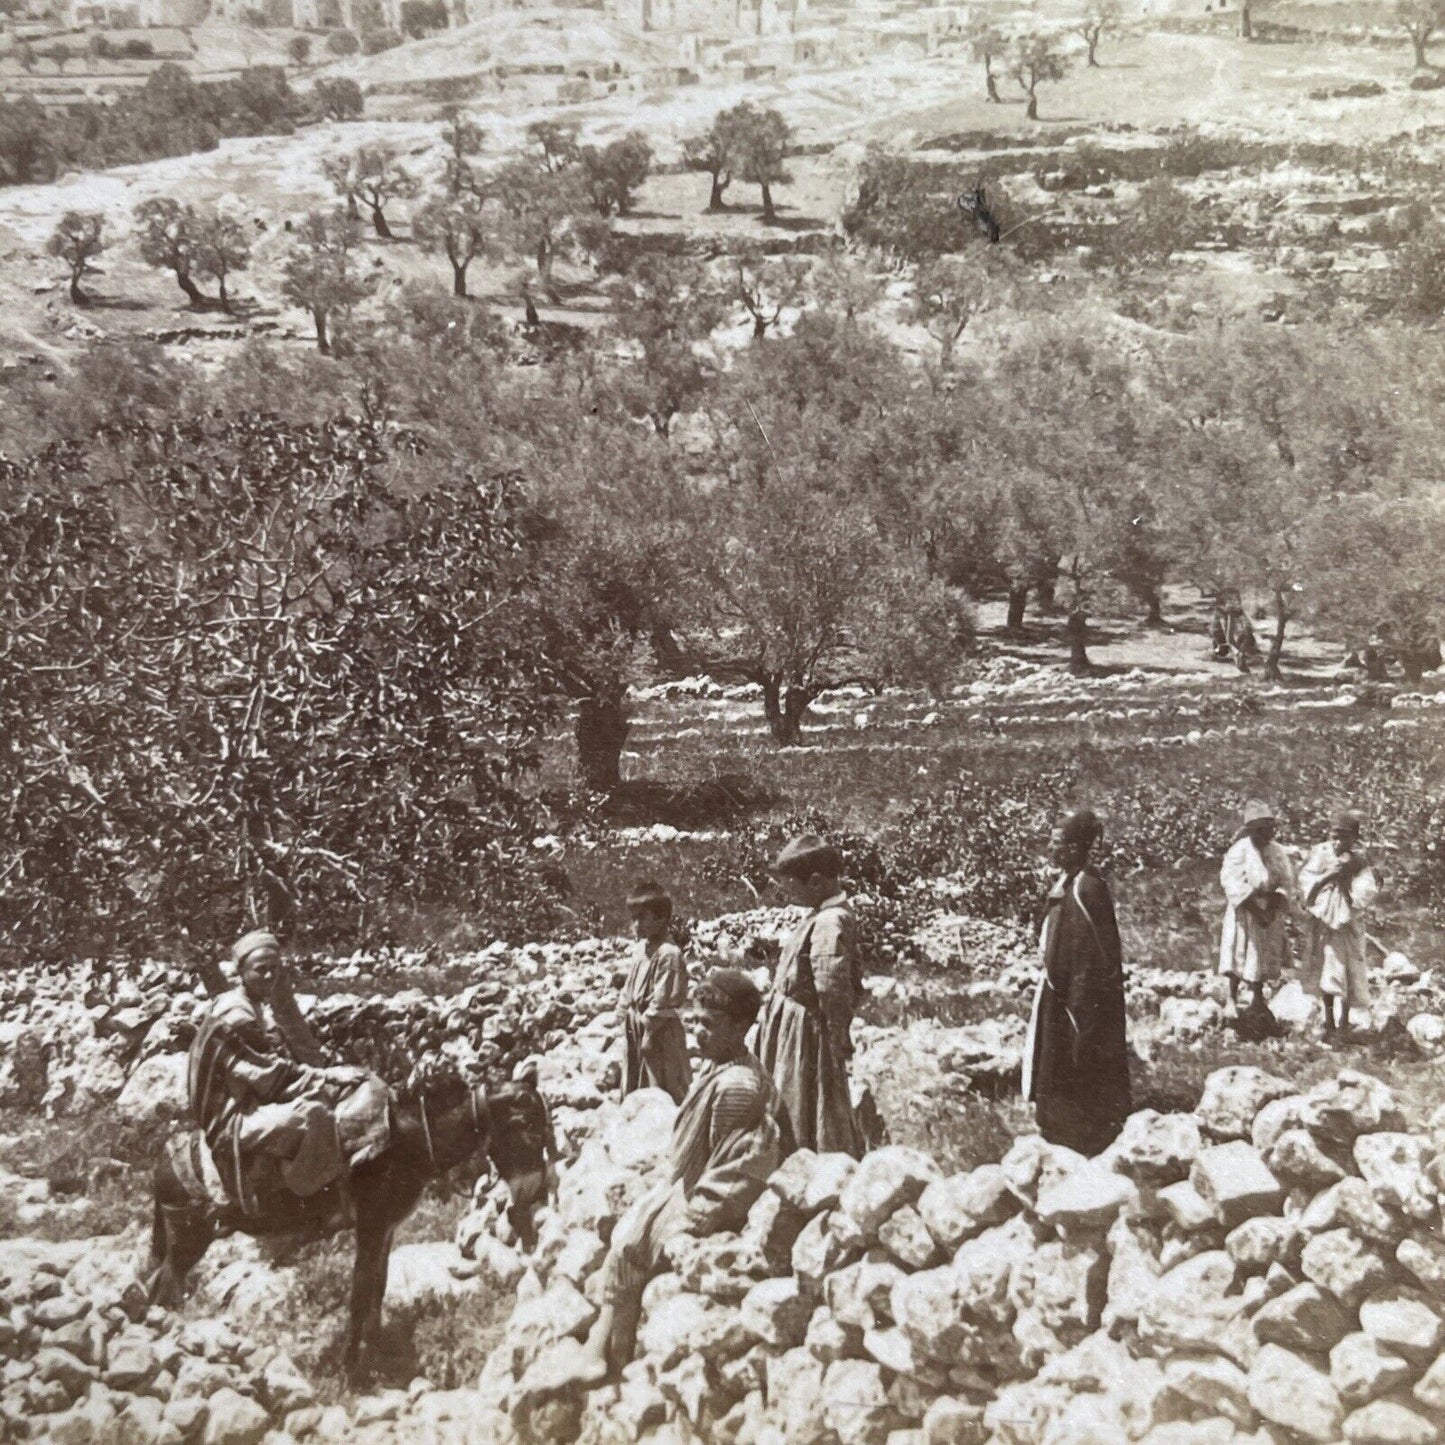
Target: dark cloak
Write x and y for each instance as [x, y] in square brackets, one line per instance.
[1080, 1060]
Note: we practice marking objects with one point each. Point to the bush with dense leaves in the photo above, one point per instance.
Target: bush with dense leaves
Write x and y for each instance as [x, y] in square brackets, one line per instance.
[265, 670]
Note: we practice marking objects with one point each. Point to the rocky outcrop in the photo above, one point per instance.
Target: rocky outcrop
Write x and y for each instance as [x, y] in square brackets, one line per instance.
[1175, 1290]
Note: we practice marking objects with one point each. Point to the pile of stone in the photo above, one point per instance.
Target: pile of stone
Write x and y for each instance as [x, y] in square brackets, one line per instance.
[1267, 1268]
[86, 1360]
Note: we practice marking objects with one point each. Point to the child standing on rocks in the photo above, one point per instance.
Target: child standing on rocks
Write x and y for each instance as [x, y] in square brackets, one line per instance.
[653, 998]
[1338, 884]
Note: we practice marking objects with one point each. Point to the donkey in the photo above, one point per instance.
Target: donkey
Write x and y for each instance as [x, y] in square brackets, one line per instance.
[449, 1123]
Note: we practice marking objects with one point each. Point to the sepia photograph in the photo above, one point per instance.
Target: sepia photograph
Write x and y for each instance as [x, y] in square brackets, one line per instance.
[722, 722]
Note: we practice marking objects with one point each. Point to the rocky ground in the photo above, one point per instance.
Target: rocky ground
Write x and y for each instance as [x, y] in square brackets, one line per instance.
[1268, 1261]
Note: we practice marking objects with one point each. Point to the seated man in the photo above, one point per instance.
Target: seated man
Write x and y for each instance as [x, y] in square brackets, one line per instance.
[267, 1118]
[725, 1145]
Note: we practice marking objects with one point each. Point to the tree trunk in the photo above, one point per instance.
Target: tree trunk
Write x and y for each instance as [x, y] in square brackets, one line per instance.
[459, 280]
[715, 200]
[1246, 24]
[1155, 605]
[544, 260]
[768, 213]
[351, 207]
[1077, 628]
[76, 294]
[784, 711]
[193, 292]
[378, 221]
[1018, 598]
[532, 318]
[993, 94]
[1033, 110]
[323, 342]
[223, 296]
[1093, 43]
[1044, 594]
[1276, 643]
[601, 732]
[1374, 664]
[760, 327]
[1420, 42]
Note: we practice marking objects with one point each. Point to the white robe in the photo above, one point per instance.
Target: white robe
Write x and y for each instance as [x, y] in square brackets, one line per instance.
[1248, 948]
[1334, 959]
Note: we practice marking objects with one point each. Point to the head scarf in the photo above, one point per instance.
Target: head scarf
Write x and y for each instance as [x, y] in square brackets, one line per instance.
[1349, 820]
[732, 992]
[806, 856]
[1082, 828]
[252, 943]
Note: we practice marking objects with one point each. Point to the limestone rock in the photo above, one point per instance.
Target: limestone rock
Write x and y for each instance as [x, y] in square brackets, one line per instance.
[1424, 1257]
[860, 1295]
[1428, 1032]
[1351, 1205]
[233, 1419]
[1089, 1199]
[1297, 1160]
[1213, 1384]
[776, 1312]
[773, 1228]
[1191, 1304]
[827, 1340]
[155, 1090]
[1235, 1181]
[1303, 1318]
[1032, 1163]
[1134, 1271]
[818, 1251]
[1264, 1241]
[1391, 1422]
[949, 1421]
[1277, 1118]
[1287, 1391]
[1404, 1323]
[1233, 1096]
[929, 1308]
[1063, 1284]
[855, 1403]
[883, 1182]
[963, 1205]
[985, 1264]
[1393, 1165]
[908, 1240]
[891, 1349]
[1341, 1263]
[130, 1362]
[1430, 1388]
[1157, 1149]
[1349, 1105]
[1186, 1207]
[1362, 1370]
[693, 1324]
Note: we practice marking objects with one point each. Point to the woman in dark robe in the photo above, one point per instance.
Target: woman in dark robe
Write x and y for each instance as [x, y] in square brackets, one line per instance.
[1076, 1057]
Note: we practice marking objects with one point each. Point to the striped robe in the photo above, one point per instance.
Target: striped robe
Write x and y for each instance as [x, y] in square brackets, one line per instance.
[245, 1095]
[652, 997]
[725, 1145]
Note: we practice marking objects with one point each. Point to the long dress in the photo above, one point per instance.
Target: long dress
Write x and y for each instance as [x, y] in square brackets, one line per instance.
[652, 997]
[1253, 948]
[1334, 941]
[725, 1144]
[1076, 1055]
[803, 1034]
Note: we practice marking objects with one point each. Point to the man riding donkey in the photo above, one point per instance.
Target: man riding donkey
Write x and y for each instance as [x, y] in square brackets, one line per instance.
[282, 1133]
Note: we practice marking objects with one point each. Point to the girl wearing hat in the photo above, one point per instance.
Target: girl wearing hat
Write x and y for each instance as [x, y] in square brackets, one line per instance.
[652, 999]
[803, 1035]
[1259, 888]
[1338, 884]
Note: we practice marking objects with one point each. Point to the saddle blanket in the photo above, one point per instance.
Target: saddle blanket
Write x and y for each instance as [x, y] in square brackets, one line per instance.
[362, 1120]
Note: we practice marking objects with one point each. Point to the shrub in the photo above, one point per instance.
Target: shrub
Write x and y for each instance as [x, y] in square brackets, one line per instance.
[373, 42]
[343, 42]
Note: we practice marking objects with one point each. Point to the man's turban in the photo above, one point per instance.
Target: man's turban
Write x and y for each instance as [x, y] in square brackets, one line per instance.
[251, 943]
[732, 992]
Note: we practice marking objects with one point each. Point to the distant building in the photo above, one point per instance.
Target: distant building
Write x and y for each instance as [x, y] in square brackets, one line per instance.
[720, 18]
